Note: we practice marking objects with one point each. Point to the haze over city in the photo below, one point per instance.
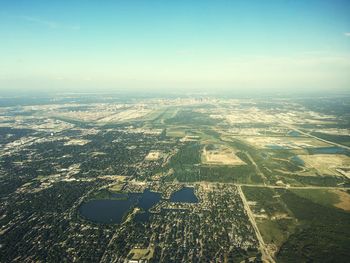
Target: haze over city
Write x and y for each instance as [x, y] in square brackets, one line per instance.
[203, 46]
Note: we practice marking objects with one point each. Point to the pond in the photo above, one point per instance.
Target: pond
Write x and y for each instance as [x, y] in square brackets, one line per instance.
[185, 195]
[294, 133]
[113, 210]
[297, 160]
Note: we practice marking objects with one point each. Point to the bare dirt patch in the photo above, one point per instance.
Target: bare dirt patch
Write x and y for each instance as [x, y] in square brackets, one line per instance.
[220, 155]
[141, 254]
[344, 200]
[79, 142]
[153, 156]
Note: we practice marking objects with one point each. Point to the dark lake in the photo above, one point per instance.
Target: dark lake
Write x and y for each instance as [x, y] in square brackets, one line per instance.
[185, 195]
[112, 211]
[147, 200]
[296, 159]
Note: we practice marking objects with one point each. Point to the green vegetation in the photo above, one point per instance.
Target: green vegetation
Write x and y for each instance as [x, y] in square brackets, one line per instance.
[186, 163]
[271, 163]
[266, 198]
[187, 166]
[278, 222]
[276, 231]
[190, 117]
[230, 174]
[295, 179]
[323, 234]
[105, 194]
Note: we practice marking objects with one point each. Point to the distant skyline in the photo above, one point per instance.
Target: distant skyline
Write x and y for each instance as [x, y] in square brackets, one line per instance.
[189, 45]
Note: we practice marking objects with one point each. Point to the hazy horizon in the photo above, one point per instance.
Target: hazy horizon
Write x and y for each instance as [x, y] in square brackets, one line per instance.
[207, 46]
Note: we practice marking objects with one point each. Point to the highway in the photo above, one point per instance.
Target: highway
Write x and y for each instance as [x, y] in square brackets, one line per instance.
[315, 137]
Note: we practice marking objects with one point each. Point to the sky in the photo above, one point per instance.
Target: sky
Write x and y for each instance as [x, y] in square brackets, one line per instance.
[86, 45]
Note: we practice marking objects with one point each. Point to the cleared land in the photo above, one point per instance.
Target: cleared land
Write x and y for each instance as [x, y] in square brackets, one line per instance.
[80, 142]
[153, 156]
[126, 115]
[220, 155]
[175, 133]
[344, 200]
[140, 254]
[327, 164]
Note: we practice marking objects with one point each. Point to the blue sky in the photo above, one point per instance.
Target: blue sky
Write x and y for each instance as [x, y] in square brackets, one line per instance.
[182, 44]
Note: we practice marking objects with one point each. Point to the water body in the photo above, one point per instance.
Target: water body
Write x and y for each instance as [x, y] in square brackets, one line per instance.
[107, 211]
[296, 159]
[185, 195]
[294, 133]
[147, 200]
[328, 150]
[112, 211]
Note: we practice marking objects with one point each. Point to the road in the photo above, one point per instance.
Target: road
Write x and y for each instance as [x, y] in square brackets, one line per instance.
[257, 169]
[315, 137]
[268, 186]
[295, 187]
[266, 257]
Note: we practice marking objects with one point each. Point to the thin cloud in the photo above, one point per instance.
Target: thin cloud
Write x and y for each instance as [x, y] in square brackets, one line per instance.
[48, 23]
[347, 34]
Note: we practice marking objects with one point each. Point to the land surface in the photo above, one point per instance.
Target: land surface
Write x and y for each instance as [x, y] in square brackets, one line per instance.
[269, 180]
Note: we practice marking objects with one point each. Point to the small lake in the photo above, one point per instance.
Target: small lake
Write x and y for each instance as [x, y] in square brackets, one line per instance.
[294, 133]
[185, 195]
[297, 160]
[112, 211]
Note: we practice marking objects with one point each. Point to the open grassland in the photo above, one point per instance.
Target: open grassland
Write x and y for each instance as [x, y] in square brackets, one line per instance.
[331, 198]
